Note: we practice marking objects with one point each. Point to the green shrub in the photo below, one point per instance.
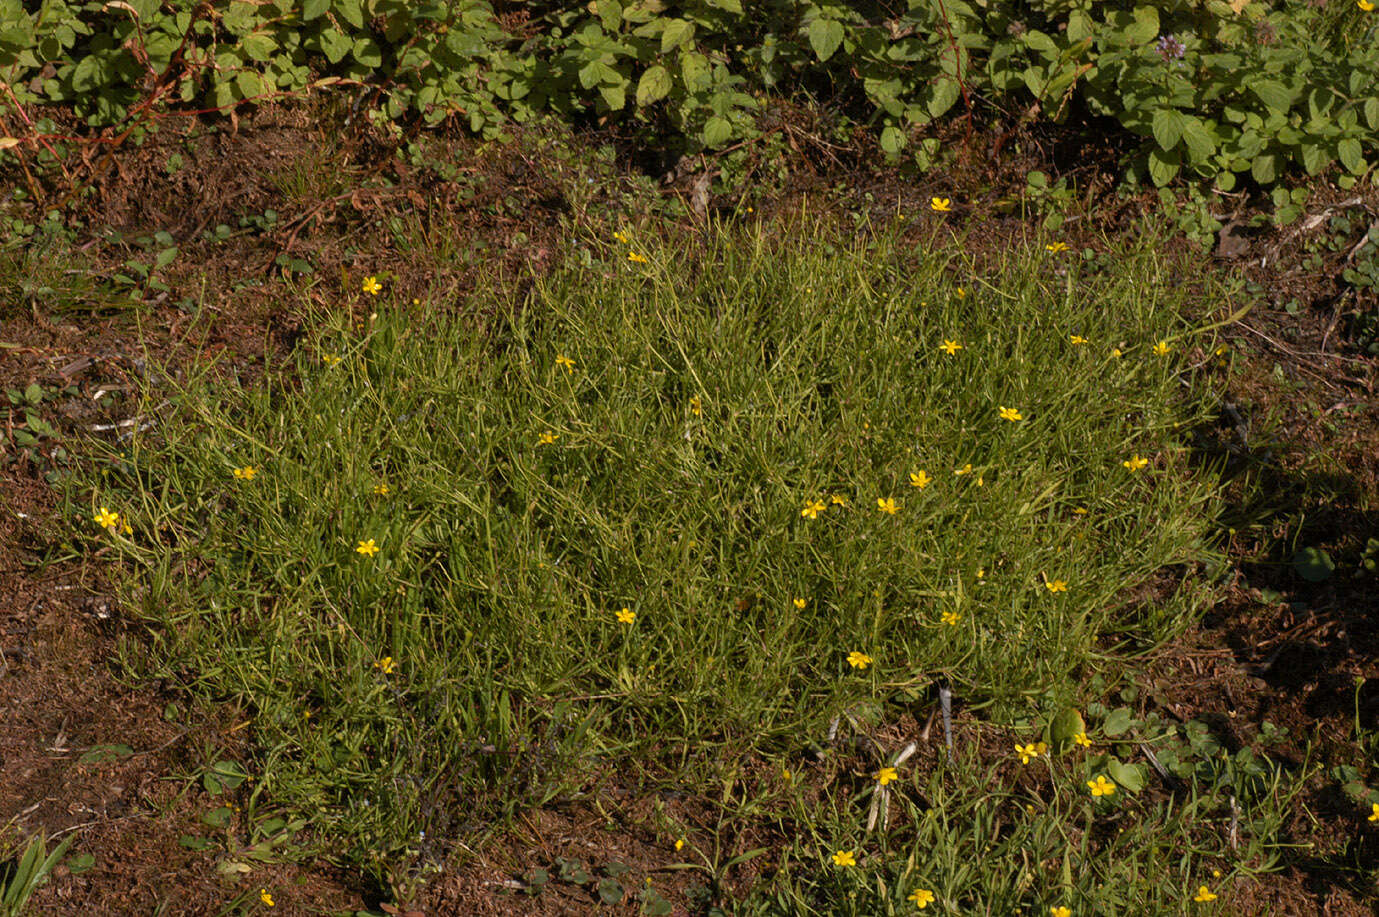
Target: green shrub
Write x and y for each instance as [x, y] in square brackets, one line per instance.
[1213, 93]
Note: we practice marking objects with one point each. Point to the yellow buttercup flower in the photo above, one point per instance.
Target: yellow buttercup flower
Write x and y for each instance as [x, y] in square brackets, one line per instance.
[626, 616]
[636, 258]
[265, 897]
[381, 489]
[621, 237]
[858, 659]
[962, 294]
[965, 469]
[546, 439]
[1100, 786]
[1082, 740]
[368, 548]
[800, 603]
[1161, 349]
[812, 509]
[940, 204]
[1059, 911]
[679, 844]
[950, 347]
[246, 473]
[1010, 414]
[386, 665]
[887, 505]
[1374, 811]
[920, 479]
[951, 618]
[1026, 752]
[887, 775]
[562, 360]
[371, 285]
[1134, 463]
[844, 858]
[1365, 5]
[1077, 339]
[696, 406]
[838, 500]
[106, 519]
[329, 359]
[1056, 247]
[1056, 585]
[1203, 895]
[922, 898]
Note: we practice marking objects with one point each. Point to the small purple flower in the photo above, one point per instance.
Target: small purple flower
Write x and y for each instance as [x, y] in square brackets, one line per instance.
[1170, 48]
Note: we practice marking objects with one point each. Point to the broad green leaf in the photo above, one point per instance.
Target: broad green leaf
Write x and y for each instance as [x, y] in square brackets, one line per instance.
[1117, 721]
[678, 32]
[825, 35]
[694, 69]
[1200, 142]
[1129, 776]
[1064, 727]
[1163, 166]
[945, 92]
[249, 83]
[1351, 155]
[717, 131]
[1146, 25]
[259, 46]
[654, 85]
[1372, 112]
[610, 12]
[614, 95]
[335, 45]
[892, 140]
[1314, 158]
[1273, 94]
[1168, 128]
[1313, 564]
[368, 53]
[1265, 168]
[313, 9]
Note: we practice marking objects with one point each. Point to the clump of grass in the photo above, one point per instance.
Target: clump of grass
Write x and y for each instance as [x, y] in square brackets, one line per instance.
[669, 507]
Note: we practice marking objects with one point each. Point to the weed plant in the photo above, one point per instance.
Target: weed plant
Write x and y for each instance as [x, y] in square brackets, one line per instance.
[675, 506]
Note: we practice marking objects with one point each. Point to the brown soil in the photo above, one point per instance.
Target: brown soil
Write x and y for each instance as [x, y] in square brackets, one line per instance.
[1278, 649]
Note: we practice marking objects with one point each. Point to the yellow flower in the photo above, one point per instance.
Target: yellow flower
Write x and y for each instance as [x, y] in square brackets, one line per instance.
[1032, 750]
[626, 616]
[545, 439]
[887, 505]
[1056, 247]
[246, 473]
[1203, 895]
[920, 479]
[696, 406]
[812, 509]
[367, 548]
[106, 519]
[887, 775]
[922, 898]
[371, 285]
[950, 347]
[381, 489]
[265, 897]
[562, 360]
[1134, 463]
[1079, 511]
[1374, 811]
[1077, 339]
[1100, 786]
[838, 500]
[1365, 5]
[1060, 911]
[621, 237]
[800, 603]
[386, 665]
[1010, 414]
[636, 258]
[329, 359]
[951, 618]
[1040, 748]
[1117, 352]
[962, 294]
[1081, 739]
[679, 843]
[858, 659]
[965, 469]
[940, 204]
[1056, 585]
[844, 858]
[126, 527]
[1161, 349]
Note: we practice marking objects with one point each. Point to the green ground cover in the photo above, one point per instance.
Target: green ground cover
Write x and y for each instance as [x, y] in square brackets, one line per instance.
[679, 505]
